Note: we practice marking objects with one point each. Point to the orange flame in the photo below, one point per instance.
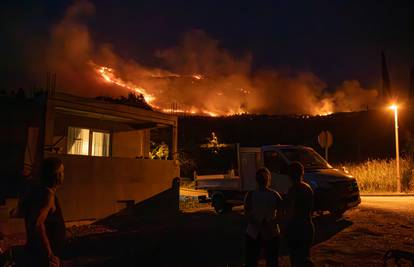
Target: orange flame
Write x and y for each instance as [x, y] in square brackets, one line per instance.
[198, 76]
[108, 75]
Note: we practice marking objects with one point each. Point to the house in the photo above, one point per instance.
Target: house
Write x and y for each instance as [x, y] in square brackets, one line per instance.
[105, 147]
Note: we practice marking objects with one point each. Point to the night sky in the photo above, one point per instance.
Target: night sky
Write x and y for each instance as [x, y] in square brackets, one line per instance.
[336, 40]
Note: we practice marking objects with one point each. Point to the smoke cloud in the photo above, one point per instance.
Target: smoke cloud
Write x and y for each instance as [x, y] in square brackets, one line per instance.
[199, 76]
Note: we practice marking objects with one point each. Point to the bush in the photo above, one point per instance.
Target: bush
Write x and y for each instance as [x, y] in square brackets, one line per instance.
[377, 175]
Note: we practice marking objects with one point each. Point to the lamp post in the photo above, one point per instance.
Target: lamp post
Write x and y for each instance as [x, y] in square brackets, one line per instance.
[397, 152]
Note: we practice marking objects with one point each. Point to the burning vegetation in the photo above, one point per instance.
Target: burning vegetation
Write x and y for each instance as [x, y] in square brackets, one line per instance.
[133, 99]
[197, 76]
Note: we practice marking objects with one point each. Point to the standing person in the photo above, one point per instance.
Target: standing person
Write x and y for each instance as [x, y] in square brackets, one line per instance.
[261, 206]
[45, 227]
[300, 229]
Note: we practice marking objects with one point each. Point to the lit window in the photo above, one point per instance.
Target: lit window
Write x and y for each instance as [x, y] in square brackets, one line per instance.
[78, 141]
[83, 141]
[100, 144]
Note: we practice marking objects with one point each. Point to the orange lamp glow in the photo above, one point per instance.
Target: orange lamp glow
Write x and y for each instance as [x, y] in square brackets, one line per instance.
[393, 107]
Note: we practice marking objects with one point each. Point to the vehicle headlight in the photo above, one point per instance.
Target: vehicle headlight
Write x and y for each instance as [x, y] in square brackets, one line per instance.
[345, 170]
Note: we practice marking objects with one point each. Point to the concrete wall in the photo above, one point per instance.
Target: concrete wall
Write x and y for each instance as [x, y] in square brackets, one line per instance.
[131, 144]
[93, 185]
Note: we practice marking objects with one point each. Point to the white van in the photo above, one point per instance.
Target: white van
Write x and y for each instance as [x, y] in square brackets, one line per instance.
[334, 190]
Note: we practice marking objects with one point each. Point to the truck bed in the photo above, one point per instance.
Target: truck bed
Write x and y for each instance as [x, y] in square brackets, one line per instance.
[218, 182]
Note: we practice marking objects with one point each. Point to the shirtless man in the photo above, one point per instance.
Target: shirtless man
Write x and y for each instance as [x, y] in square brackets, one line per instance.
[45, 227]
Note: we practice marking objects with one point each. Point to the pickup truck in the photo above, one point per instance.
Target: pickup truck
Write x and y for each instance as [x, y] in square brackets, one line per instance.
[334, 190]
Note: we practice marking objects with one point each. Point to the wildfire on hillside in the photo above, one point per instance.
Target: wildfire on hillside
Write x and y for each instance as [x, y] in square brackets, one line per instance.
[109, 75]
[197, 76]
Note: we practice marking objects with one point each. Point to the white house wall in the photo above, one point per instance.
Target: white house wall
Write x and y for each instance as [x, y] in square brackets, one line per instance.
[131, 144]
[93, 185]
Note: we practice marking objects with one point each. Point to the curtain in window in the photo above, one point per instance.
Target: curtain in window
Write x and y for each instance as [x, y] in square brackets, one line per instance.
[100, 144]
[78, 141]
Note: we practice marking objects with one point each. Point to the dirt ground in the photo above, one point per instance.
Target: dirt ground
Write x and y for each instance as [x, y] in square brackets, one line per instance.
[361, 237]
[368, 231]
[199, 237]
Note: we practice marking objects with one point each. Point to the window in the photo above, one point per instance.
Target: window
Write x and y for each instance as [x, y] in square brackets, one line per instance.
[100, 144]
[83, 141]
[309, 158]
[78, 141]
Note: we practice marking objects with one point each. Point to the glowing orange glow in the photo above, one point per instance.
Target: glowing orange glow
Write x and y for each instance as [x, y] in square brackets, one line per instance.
[109, 75]
[244, 91]
[393, 106]
[197, 76]
[179, 111]
[325, 113]
[210, 113]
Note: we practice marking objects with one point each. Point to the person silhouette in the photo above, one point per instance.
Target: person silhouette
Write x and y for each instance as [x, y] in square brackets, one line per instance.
[300, 229]
[261, 207]
[45, 226]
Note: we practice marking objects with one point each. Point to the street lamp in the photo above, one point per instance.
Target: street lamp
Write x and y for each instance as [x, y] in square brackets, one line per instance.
[397, 153]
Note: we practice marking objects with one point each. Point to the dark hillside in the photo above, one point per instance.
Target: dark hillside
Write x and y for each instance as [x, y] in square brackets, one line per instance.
[357, 135]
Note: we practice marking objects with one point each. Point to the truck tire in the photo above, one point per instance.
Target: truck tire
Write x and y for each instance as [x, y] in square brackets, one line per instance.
[219, 204]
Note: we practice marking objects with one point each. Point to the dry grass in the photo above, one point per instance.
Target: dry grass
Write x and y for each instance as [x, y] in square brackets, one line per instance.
[376, 175]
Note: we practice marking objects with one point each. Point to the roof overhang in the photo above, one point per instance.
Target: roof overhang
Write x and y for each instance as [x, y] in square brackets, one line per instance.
[99, 109]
